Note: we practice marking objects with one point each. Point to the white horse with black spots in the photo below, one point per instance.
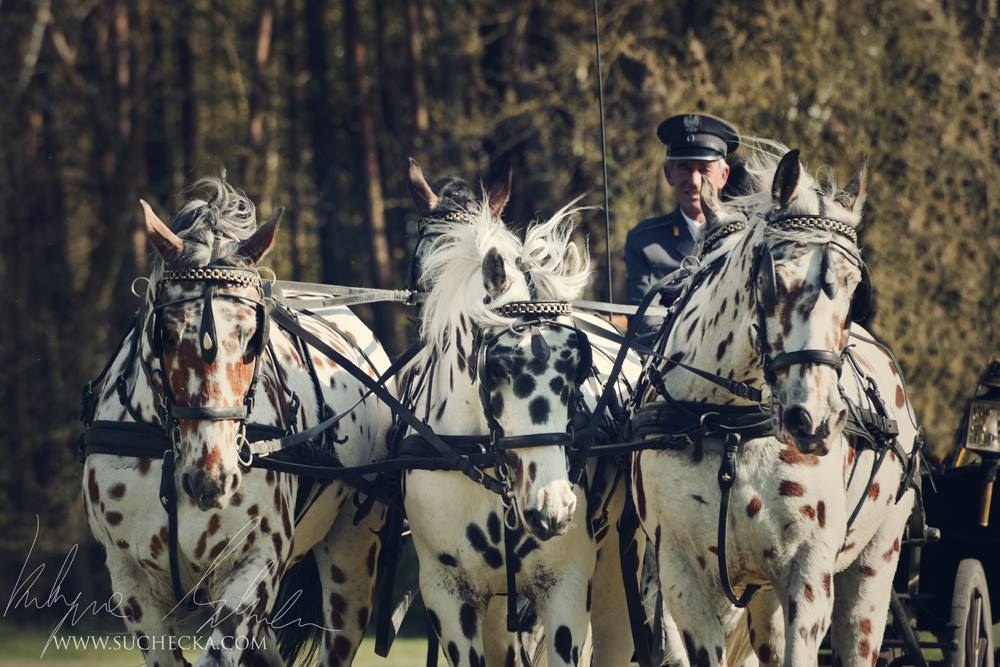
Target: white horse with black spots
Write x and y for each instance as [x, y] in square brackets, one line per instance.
[773, 309]
[192, 362]
[483, 365]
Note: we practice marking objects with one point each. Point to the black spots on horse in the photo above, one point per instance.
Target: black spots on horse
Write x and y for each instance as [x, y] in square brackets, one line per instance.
[764, 653]
[532, 471]
[690, 331]
[590, 591]
[793, 610]
[699, 499]
[576, 655]
[477, 539]
[453, 654]
[440, 410]
[435, 622]
[510, 659]
[689, 646]
[565, 366]
[526, 547]
[447, 560]
[496, 405]
[557, 384]
[539, 409]
[538, 366]
[721, 352]
[493, 526]
[467, 620]
[564, 643]
[524, 384]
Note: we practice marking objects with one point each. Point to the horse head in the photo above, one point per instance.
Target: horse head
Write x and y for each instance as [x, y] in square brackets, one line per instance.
[207, 327]
[521, 362]
[809, 283]
[450, 201]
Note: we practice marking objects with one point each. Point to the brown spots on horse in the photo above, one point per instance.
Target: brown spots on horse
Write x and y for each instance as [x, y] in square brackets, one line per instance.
[867, 571]
[753, 506]
[213, 524]
[269, 477]
[864, 648]
[122, 544]
[155, 546]
[900, 397]
[337, 575]
[892, 368]
[199, 548]
[790, 488]
[370, 559]
[713, 550]
[826, 583]
[253, 511]
[210, 458]
[807, 592]
[113, 518]
[847, 547]
[92, 488]
[821, 513]
[865, 626]
[144, 465]
[236, 500]
[808, 512]
[217, 549]
[792, 456]
[850, 455]
[117, 491]
[265, 525]
[873, 491]
[701, 561]
[887, 556]
[640, 492]
[278, 544]
[150, 564]
[133, 611]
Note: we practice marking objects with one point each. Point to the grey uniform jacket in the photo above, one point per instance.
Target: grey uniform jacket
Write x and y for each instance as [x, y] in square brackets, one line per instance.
[653, 249]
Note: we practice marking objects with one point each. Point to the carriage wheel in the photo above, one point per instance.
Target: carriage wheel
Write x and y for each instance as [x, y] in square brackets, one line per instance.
[971, 618]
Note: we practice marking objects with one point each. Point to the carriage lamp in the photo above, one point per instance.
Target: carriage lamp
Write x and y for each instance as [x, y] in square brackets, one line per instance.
[984, 413]
[981, 432]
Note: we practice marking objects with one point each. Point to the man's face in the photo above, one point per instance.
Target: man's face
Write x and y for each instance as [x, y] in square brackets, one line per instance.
[686, 177]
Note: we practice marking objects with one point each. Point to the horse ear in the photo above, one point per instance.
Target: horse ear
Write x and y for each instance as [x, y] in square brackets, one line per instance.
[786, 179]
[500, 192]
[853, 196]
[420, 190]
[169, 245]
[710, 204]
[494, 274]
[258, 245]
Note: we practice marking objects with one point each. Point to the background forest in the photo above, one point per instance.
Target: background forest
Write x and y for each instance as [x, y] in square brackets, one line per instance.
[316, 104]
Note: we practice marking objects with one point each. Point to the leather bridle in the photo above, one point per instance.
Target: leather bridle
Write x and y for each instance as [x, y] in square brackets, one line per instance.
[211, 279]
[763, 286]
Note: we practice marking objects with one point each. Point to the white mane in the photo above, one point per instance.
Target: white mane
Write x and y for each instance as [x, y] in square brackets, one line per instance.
[453, 265]
[761, 162]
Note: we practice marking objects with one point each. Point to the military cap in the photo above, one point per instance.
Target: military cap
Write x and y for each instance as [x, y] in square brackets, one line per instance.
[697, 136]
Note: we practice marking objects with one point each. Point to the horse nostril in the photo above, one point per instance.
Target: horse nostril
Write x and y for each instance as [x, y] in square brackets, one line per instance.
[798, 421]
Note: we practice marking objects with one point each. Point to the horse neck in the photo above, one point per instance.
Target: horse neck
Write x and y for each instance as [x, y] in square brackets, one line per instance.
[714, 330]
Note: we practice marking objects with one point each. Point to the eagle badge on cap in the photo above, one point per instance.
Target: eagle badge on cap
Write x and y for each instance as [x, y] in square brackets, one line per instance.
[691, 123]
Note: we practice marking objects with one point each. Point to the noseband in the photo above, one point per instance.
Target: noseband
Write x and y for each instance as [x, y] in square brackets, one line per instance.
[764, 285]
[210, 279]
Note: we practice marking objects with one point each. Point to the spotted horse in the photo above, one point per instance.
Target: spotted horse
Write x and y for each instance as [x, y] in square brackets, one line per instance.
[493, 368]
[200, 372]
[805, 479]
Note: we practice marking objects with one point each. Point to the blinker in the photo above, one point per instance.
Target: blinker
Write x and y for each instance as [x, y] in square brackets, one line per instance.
[766, 279]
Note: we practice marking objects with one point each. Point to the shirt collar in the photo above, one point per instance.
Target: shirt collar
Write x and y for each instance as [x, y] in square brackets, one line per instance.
[694, 227]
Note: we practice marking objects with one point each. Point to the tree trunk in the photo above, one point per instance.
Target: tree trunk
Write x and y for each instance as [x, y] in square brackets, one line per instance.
[415, 43]
[293, 143]
[254, 173]
[185, 88]
[366, 153]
